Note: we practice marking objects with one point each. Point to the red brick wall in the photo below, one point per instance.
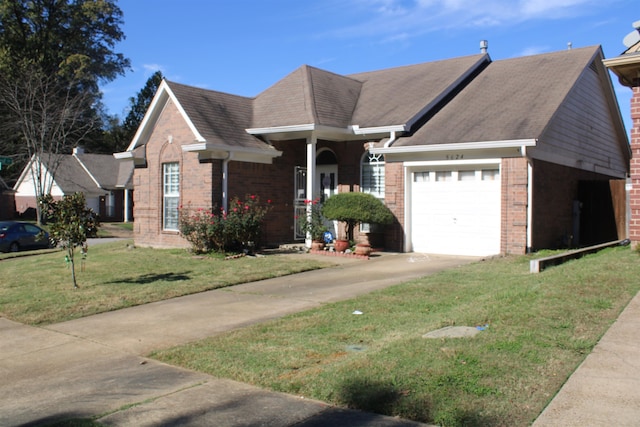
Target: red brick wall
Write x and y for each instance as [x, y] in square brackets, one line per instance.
[555, 188]
[201, 182]
[514, 183]
[394, 199]
[165, 145]
[634, 196]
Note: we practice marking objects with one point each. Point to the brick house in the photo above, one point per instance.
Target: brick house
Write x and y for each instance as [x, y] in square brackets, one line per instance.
[473, 156]
[627, 68]
[105, 182]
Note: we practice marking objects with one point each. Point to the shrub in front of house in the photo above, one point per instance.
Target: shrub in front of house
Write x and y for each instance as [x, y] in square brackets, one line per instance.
[237, 229]
[355, 208]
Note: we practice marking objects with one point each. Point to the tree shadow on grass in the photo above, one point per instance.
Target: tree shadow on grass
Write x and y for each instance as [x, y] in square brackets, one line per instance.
[153, 277]
[368, 395]
[387, 399]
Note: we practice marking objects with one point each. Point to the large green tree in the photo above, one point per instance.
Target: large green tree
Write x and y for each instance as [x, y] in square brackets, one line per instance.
[138, 106]
[53, 56]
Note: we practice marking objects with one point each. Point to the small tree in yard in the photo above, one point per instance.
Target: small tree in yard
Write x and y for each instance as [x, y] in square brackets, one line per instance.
[71, 224]
[355, 208]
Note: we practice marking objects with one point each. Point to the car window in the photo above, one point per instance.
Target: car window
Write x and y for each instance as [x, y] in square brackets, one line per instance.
[31, 229]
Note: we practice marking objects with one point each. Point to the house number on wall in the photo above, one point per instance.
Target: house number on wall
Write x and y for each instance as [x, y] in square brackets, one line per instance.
[454, 156]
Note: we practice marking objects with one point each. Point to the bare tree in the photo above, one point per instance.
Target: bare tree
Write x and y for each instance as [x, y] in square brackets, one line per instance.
[50, 120]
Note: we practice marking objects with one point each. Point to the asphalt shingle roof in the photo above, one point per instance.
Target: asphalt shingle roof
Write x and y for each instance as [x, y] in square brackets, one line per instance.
[220, 118]
[395, 95]
[307, 95]
[511, 99]
[109, 173]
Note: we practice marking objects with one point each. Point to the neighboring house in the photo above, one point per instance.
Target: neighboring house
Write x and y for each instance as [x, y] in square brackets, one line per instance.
[627, 68]
[473, 156]
[105, 182]
[7, 202]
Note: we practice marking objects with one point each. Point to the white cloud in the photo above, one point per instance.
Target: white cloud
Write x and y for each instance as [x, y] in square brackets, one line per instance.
[152, 68]
[412, 18]
[533, 50]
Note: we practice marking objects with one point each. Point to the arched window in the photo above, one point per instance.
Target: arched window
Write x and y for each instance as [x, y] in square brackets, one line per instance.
[372, 178]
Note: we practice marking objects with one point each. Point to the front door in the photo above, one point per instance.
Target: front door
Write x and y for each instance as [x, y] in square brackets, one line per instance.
[326, 181]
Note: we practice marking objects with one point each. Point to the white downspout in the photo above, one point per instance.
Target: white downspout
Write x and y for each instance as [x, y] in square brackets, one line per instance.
[392, 139]
[225, 181]
[523, 152]
[126, 205]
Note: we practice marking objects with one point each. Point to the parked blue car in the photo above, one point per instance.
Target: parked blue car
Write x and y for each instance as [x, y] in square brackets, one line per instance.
[17, 236]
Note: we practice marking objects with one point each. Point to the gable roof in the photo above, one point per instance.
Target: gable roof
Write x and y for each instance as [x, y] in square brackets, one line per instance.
[307, 95]
[512, 99]
[218, 121]
[452, 101]
[217, 116]
[86, 173]
[402, 95]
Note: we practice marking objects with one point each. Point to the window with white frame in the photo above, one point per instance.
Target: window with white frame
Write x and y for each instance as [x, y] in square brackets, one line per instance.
[171, 195]
[372, 180]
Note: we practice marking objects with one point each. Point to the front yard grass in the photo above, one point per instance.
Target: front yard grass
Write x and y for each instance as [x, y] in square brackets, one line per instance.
[540, 328]
[37, 290]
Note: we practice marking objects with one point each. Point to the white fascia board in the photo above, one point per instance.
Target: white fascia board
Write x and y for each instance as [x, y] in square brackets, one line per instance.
[153, 112]
[515, 143]
[25, 171]
[124, 155]
[303, 128]
[282, 129]
[205, 146]
[87, 171]
[357, 130]
[626, 59]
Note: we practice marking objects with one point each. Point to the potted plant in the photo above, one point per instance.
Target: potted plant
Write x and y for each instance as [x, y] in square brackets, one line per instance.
[355, 208]
[313, 224]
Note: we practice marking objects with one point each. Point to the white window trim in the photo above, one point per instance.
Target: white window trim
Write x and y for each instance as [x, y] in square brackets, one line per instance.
[170, 195]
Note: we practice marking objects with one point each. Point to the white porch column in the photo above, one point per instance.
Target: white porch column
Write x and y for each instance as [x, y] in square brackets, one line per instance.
[311, 177]
[126, 206]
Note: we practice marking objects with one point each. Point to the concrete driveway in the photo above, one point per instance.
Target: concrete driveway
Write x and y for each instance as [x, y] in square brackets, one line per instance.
[95, 366]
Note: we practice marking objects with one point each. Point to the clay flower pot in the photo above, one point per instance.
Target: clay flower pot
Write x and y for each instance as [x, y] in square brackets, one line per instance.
[341, 245]
[363, 249]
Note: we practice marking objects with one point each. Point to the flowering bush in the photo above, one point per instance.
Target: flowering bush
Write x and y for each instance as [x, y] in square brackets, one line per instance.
[313, 224]
[238, 229]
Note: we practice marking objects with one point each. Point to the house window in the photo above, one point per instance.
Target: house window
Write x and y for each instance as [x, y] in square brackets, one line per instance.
[372, 179]
[171, 195]
[490, 174]
[443, 176]
[466, 175]
[421, 177]
[110, 204]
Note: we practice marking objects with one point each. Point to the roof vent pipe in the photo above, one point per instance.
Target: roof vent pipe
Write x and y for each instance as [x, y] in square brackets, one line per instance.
[483, 46]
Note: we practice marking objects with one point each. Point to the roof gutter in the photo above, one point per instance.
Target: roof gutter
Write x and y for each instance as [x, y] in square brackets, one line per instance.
[461, 146]
[206, 146]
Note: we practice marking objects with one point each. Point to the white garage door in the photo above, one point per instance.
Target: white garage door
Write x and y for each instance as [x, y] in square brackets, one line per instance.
[456, 211]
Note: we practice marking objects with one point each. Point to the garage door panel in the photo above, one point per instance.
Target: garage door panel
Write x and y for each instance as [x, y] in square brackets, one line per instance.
[456, 217]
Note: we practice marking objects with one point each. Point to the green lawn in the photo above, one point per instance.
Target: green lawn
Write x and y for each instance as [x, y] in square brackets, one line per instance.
[540, 328]
[38, 290]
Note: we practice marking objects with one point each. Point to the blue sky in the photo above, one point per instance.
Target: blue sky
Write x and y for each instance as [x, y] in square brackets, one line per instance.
[245, 46]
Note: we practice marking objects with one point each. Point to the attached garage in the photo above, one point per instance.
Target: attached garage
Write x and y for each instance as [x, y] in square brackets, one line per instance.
[455, 210]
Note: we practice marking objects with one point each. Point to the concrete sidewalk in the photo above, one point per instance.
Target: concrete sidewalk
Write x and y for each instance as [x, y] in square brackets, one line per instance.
[605, 389]
[95, 366]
